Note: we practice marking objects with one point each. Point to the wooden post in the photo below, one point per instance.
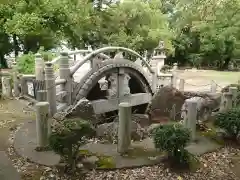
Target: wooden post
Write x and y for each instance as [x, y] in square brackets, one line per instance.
[51, 88]
[16, 82]
[42, 124]
[6, 87]
[64, 73]
[124, 128]
[42, 95]
[234, 92]
[181, 85]
[213, 87]
[190, 119]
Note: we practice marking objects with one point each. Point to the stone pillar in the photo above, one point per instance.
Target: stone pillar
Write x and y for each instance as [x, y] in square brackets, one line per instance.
[234, 92]
[16, 81]
[181, 85]
[174, 79]
[226, 102]
[124, 128]
[39, 67]
[50, 87]
[175, 66]
[154, 81]
[213, 87]
[42, 124]
[64, 73]
[190, 118]
[24, 87]
[42, 95]
[123, 83]
[6, 87]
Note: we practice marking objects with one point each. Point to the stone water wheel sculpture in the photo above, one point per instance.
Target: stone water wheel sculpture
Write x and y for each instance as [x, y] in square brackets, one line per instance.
[111, 82]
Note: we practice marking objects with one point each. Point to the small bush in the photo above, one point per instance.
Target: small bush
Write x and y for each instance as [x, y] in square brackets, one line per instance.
[68, 136]
[229, 121]
[26, 62]
[172, 138]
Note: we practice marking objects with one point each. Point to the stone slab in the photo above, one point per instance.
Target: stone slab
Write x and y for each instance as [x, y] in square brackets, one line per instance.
[7, 171]
[25, 143]
[201, 146]
[103, 105]
[110, 150]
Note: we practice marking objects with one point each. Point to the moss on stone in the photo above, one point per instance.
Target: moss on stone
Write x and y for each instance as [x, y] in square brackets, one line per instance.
[194, 164]
[85, 152]
[106, 162]
[135, 152]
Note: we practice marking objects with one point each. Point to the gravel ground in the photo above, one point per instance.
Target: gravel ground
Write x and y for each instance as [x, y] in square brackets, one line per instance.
[215, 165]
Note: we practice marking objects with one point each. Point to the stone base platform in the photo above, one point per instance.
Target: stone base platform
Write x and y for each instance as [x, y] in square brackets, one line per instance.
[25, 144]
[141, 153]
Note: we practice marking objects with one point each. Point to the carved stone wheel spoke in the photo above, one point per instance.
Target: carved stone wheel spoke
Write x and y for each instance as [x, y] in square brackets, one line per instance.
[112, 83]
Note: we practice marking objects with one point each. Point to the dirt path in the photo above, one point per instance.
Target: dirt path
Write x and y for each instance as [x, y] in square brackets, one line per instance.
[12, 113]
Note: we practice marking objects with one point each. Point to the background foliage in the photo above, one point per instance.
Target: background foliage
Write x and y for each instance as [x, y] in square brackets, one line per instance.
[197, 33]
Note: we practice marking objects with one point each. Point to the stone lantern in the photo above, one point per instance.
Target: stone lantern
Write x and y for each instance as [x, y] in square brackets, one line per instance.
[157, 61]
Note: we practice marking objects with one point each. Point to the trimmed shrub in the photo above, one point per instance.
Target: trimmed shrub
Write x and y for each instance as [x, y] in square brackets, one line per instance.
[68, 136]
[172, 138]
[229, 121]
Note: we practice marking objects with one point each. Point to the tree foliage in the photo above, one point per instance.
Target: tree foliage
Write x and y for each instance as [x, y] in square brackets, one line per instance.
[197, 32]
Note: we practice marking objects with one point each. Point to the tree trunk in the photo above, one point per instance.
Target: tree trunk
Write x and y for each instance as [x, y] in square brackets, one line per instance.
[226, 63]
[15, 45]
[3, 61]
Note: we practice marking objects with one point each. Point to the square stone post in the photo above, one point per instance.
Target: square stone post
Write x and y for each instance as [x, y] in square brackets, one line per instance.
[174, 75]
[226, 102]
[234, 92]
[64, 73]
[39, 67]
[42, 95]
[51, 88]
[16, 81]
[190, 119]
[181, 85]
[24, 87]
[6, 87]
[213, 87]
[43, 127]
[154, 81]
[124, 127]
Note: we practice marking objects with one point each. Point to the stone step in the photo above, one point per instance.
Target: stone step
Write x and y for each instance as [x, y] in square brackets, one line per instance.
[7, 171]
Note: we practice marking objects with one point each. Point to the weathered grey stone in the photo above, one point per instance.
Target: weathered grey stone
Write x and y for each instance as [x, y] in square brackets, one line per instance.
[90, 162]
[83, 109]
[168, 99]
[25, 144]
[7, 171]
[109, 131]
[141, 119]
[152, 127]
[124, 127]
